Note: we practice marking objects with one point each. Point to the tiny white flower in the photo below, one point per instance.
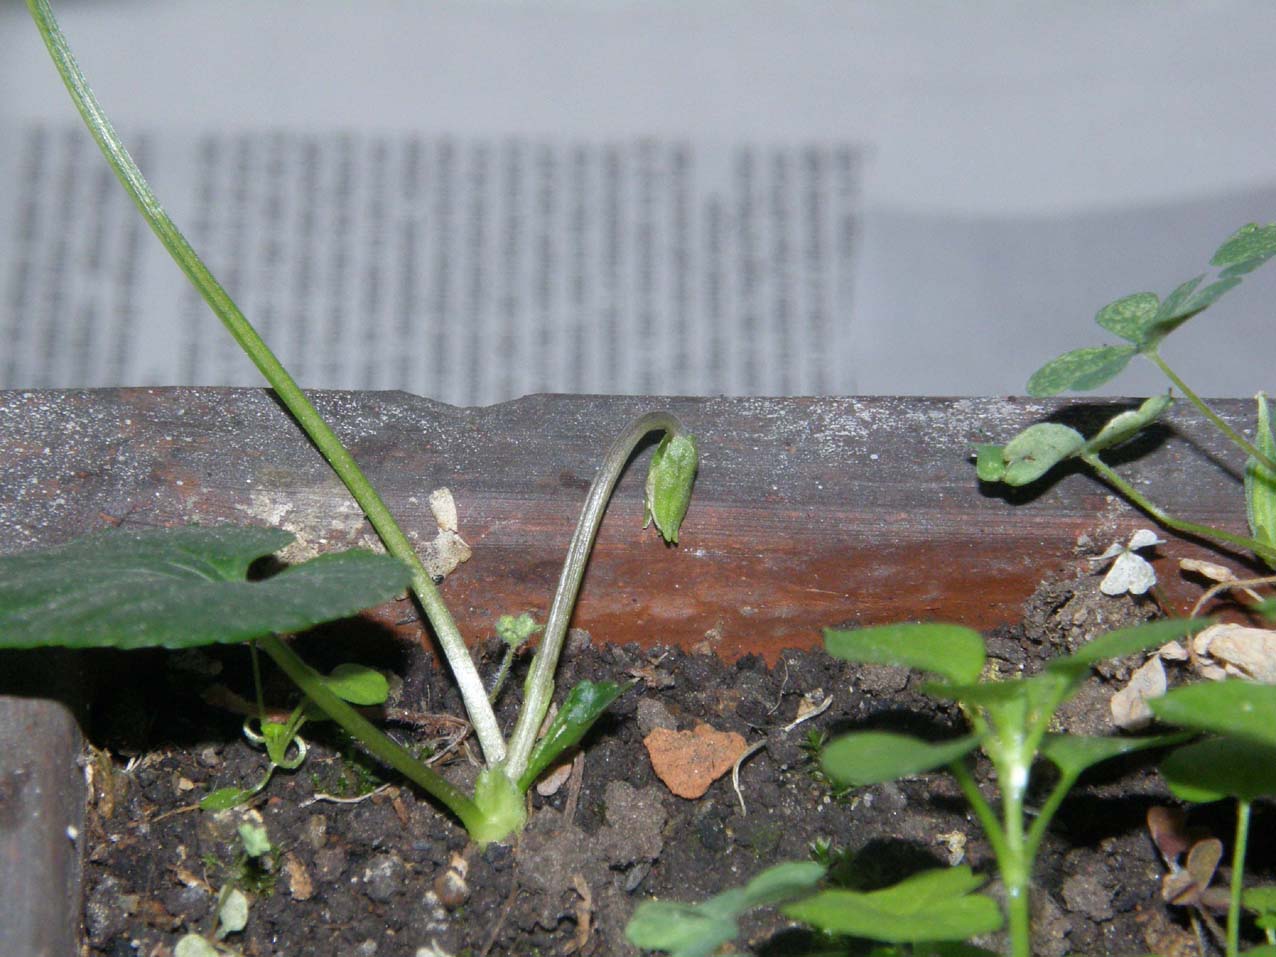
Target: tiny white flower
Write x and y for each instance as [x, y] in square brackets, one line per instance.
[1129, 572]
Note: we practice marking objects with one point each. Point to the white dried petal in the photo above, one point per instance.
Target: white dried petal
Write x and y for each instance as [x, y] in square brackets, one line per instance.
[1129, 573]
[1210, 570]
[1173, 651]
[1144, 538]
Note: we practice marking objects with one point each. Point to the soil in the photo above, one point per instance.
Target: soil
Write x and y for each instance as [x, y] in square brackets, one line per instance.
[368, 867]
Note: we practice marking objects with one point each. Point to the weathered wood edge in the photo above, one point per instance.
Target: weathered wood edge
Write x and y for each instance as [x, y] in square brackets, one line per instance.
[808, 512]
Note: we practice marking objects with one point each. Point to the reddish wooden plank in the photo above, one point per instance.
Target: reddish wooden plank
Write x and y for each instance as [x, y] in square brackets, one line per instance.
[807, 512]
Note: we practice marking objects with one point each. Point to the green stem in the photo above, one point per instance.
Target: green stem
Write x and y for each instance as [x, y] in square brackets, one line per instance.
[983, 810]
[1038, 829]
[1238, 878]
[1210, 414]
[1264, 551]
[540, 681]
[377, 743]
[318, 431]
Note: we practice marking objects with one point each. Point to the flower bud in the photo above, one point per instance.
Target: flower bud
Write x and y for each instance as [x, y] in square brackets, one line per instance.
[669, 481]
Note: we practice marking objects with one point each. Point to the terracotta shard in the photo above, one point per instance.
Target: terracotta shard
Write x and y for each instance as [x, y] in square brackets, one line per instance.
[689, 761]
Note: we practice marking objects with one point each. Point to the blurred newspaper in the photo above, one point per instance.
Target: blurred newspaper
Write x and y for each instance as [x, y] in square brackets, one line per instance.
[474, 201]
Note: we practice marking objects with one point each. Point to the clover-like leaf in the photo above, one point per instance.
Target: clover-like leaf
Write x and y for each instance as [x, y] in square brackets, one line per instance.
[1080, 370]
[1260, 482]
[179, 588]
[1246, 249]
[670, 478]
[1125, 425]
[1218, 768]
[1037, 449]
[1130, 316]
[953, 651]
[931, 906]
[1233, 707]
[871, 757]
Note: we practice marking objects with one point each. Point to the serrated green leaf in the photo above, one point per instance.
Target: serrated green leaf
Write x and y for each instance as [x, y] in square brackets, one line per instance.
[1074, 753]
[990, 462]
[179, 588]
[1246, 249]
[1260, 481]
[1218, 768]
[1130, 316]
[358, 684]
[582, 707]
[954, 651]
[1232, 707]
[1080, 370]
[1126, 425]
[871, 757]
[1037, 449]
[918, 909]
[670, 478]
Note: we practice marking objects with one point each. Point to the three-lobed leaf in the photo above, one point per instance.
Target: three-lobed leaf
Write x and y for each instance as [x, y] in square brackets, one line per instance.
[953, 651]
[932, 906]
[179, 588]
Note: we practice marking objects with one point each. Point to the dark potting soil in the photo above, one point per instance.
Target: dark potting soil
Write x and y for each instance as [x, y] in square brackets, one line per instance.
[363, 865]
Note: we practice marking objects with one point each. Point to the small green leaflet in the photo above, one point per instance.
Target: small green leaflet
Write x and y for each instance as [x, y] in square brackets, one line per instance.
[698, 930]
[1245, 250]
[1080, 370]
[584, 704]
[180, 588]
[953, 651]
[930, 906]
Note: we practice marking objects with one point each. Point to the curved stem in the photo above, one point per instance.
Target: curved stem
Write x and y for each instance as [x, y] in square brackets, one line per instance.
[1189, 528]
[318, 431]
[1210, 414]
[378, 744]
[540, 681]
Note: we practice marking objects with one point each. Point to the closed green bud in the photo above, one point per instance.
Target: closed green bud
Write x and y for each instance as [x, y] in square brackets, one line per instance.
[669, 482]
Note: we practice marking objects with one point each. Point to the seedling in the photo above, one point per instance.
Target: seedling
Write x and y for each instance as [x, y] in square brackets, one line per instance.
[355, 684]
[1009, 722]
[1144, 320]
[496, 808]
[1189, 884]
[253, 868]
[1238, 762]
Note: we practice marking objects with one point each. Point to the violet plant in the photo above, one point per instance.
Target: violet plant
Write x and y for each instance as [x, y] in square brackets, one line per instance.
[496, 809]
